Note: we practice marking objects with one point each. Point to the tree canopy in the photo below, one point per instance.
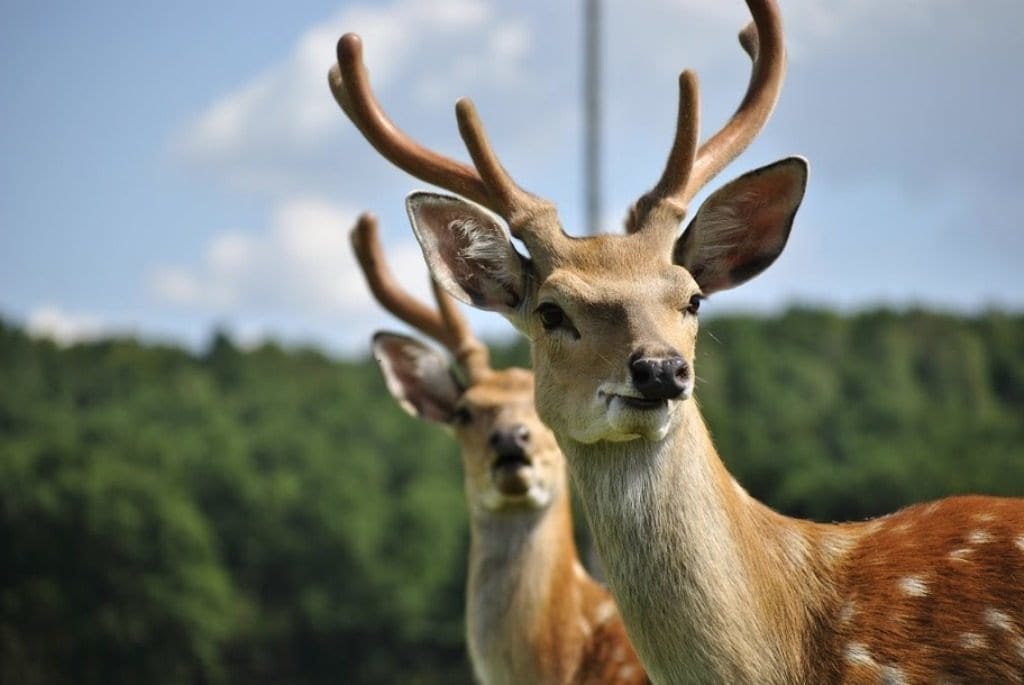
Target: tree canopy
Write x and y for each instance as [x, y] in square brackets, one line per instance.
[269, 514]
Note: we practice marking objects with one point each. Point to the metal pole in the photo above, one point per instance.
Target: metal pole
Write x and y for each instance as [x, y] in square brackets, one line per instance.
[592, 114]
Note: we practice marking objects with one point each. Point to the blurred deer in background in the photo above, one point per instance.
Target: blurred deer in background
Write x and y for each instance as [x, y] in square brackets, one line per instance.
[533, 614]
[713, 586]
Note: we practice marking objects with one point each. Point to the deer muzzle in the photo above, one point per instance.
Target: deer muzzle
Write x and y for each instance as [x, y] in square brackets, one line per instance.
[659, 378]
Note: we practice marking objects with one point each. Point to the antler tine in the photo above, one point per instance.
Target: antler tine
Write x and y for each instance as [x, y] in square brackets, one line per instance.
[445, 324]
[340, 94]
[680, 159]
[350, 85]
[748, 40]
[763, 41]
[685, 174]
[488, 184]
[508, 196]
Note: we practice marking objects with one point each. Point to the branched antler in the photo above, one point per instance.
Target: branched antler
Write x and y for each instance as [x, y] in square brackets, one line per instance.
[690, 168]
[487, 184]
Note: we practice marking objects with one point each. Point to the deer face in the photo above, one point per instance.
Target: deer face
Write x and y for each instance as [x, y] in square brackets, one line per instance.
[613, 356]
[510, 459]
[612, 319]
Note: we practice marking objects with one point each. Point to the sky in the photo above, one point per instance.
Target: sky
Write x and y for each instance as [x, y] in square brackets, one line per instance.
[171, 168]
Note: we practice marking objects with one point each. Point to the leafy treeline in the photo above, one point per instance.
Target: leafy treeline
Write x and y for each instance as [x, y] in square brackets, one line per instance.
[270, 516]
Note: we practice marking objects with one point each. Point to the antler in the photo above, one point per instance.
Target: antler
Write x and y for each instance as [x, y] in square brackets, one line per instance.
[487, 184]
[446, 324]
[690, 168]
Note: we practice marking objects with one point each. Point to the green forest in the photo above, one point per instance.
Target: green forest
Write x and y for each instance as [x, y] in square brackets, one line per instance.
[269, 515]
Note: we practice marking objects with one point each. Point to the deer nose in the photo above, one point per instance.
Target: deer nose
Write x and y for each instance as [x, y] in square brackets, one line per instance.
[510, 442]
[659, 378]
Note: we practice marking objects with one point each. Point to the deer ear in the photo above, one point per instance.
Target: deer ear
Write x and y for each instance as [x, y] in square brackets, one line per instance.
[419, 377]
[468, 251]
[742, 227]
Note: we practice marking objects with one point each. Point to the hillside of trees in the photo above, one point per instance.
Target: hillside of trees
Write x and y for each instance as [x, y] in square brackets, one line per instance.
[270, 515]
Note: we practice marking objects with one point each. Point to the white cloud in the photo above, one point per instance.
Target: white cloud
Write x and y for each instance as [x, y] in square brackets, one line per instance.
[284, 118]
[64, 327]
[302, 264]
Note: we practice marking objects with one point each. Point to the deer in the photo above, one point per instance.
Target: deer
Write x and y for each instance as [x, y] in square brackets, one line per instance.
[533, 614]
[713, 586]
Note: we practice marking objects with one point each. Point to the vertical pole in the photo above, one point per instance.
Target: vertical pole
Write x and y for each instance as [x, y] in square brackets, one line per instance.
[592, 114]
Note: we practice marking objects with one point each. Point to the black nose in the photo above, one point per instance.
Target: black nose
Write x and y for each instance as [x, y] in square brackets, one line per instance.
[659, 378]
[510, 442]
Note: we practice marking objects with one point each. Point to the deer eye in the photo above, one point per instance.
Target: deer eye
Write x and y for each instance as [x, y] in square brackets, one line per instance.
[462, 416]
[551, 316]
[694, 306]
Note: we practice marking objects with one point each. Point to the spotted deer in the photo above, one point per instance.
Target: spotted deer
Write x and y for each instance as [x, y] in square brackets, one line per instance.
[533, 614]
[714, 587]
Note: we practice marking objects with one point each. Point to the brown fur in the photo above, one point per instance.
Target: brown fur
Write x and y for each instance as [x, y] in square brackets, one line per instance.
[936, 591]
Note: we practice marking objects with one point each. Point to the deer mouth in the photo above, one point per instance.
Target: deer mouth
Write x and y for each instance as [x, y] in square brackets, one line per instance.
[629, 416]
[642, 403]
[512, 474]
[632, 401]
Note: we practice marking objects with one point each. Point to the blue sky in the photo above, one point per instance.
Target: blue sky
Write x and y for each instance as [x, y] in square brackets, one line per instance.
[168, 168]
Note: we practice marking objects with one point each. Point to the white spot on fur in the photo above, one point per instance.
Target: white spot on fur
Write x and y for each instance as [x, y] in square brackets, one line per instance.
[858, 655]
[604, 611]
[626, 672]
[902, 528]
[578, 570]
[1020, 542]
[892, 676]
[914, 586]
[973, 641]
[1019, 644]
[998, 619]
[961, 554]
[619, 653]
[931, 508]
[979, 537]
[984, 518]
[584, 627]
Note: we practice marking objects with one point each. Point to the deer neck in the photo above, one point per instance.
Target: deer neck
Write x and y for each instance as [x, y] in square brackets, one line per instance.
[524, 589]
[737, 588]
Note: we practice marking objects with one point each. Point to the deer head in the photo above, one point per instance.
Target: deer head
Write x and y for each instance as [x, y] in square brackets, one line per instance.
[510, 458]
[612, 319]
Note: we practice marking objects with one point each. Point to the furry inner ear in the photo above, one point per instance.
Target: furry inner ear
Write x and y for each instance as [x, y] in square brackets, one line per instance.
[468, 251]
[418, 377]
[743, 226]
